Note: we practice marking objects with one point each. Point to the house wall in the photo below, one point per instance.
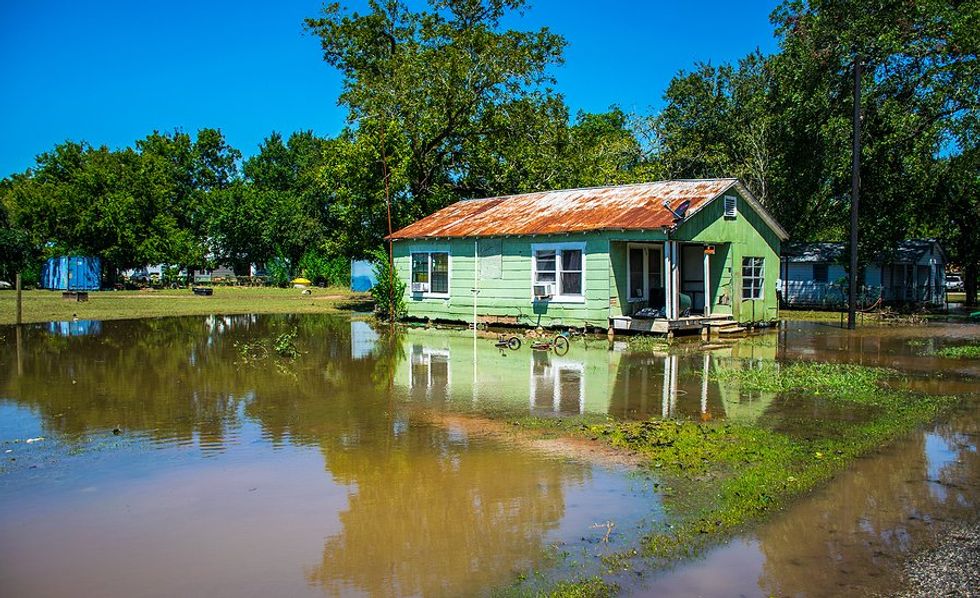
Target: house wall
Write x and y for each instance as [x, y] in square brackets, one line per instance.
[746, 235]
[801, 288]
[505, 294]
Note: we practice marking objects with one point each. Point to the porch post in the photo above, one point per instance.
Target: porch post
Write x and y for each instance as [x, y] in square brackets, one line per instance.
[675, 273]
[707, 284]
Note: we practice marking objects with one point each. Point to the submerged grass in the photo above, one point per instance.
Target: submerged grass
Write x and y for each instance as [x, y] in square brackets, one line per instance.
[716, 477]
[960, 352]
[721, 476]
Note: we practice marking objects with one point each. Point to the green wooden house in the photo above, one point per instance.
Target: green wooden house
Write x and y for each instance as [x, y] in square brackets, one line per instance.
[661, 257]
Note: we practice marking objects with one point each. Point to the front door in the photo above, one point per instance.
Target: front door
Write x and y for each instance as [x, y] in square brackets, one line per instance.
[692, 275]
[646, 280]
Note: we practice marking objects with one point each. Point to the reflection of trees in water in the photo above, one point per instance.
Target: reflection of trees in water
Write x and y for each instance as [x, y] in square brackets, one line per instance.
[433, 513]
[848, 534]
[172, 378]
[429, 509]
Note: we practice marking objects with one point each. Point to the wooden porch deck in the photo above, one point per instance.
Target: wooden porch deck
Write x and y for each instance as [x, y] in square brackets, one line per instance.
[670, 326]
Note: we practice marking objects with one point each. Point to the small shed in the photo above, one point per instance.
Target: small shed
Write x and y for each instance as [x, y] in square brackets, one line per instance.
[362, 276]
[72, 273]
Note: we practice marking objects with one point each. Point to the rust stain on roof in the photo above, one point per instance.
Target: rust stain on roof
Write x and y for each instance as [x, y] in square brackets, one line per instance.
[628, 207]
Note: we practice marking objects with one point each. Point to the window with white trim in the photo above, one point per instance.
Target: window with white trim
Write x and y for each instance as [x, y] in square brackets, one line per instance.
[753, 270]
[430, 273]
[563, 267]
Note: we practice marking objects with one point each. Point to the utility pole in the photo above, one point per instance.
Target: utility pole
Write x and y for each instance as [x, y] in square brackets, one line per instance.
[855, 190]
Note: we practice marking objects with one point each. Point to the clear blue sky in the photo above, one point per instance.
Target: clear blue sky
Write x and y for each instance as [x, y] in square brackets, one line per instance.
[111, 71]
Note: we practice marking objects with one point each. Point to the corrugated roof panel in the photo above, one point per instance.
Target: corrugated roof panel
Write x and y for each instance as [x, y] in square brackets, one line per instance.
[629, 207]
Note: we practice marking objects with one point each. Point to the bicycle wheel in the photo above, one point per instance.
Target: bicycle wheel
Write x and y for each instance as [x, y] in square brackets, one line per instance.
[514, 343]
[560, 345]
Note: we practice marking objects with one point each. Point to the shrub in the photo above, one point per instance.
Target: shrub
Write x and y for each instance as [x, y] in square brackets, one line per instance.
[388, 297]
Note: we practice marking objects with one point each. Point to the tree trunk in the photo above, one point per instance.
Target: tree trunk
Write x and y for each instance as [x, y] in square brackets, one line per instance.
[970, 282]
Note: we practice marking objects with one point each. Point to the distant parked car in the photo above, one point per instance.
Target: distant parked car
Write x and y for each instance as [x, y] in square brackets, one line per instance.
[954, 282]
[5, 285]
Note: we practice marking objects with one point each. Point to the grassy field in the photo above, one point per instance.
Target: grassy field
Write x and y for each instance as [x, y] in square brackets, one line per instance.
[43, 306]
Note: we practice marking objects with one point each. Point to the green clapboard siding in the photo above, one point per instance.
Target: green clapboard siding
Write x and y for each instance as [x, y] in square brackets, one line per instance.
[504, 278]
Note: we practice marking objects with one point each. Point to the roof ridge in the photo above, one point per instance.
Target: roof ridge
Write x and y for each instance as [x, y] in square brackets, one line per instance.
[598, 187]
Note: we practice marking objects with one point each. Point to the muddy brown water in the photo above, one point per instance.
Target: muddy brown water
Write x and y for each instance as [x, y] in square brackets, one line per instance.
[182, 456]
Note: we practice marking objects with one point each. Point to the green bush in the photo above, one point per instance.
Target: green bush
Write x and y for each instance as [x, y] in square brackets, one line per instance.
[321, 269]
[387, 296]
[278, 271]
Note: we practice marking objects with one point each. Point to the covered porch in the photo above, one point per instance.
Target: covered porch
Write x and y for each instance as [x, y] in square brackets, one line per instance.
[669, 286]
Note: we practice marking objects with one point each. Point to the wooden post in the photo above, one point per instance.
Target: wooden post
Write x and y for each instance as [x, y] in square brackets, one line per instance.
[675, 282]
[707, 284]
[20, 300]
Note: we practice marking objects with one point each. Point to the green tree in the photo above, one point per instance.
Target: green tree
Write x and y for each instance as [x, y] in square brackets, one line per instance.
[437, 76]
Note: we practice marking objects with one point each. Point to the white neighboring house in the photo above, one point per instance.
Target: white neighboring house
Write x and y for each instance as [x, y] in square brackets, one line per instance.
[814, 274]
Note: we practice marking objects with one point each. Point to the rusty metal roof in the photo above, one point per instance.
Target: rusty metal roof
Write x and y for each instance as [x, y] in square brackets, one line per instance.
[626, 207]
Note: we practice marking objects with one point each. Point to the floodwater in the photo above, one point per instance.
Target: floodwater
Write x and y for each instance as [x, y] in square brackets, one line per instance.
[183, 456]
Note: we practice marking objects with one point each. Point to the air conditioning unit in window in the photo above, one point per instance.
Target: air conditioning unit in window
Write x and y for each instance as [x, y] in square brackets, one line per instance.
[544, 291]
[420, 287]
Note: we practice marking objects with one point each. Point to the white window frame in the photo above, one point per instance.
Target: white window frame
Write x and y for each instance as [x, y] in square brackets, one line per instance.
[552, 374]
[761, 278]
[557, 248]
[449, 272]
[647, 248]
[424, 357]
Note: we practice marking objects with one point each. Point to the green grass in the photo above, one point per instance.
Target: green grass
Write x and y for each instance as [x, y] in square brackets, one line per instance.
[43, 306]
[718, 477]
[960, 352]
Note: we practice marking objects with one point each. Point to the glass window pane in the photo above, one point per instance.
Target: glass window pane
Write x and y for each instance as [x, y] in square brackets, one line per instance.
[571, 283]
[545, 277]
[440, 282]
[545, 260]
[655, 262]
[440, 262]
[636, 273]
[420, 267]
[571, 259]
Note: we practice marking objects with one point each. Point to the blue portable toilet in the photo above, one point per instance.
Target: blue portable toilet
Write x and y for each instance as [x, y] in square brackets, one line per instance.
[72, 273]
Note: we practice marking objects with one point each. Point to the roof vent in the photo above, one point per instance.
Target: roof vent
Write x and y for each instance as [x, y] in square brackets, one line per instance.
[730, 201]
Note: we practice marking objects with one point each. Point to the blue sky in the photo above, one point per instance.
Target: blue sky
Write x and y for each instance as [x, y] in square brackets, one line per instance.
[111, 71]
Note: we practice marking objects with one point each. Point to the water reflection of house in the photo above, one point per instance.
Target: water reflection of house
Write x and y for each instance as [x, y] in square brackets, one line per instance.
[448, 367]
[557, 384]
[75, 327]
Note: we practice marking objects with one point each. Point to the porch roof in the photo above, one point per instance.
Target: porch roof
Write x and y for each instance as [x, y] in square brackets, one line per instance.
[624, 207]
